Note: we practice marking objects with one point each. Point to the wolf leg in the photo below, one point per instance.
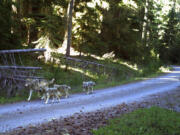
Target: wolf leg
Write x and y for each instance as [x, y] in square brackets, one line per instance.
[88, 90]
[58, 95]
[67, 94]
[92, 90]
[47, 99]
[30, 94]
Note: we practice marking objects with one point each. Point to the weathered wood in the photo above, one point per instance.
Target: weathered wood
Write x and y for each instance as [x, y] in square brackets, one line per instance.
[20, 67]
[83, 61]
[23, 76]
[13, 78]
[22, 50]
[24, 72]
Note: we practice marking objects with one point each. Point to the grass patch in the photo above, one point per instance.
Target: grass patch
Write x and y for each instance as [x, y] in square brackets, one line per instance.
[18, 97]
[4, 100]
[152, 121]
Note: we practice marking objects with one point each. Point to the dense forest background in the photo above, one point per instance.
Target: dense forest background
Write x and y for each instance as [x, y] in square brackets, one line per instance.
[140, 31]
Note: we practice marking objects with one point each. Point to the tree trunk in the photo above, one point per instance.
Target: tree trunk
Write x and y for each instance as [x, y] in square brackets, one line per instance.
[145, 24]
[69, 26]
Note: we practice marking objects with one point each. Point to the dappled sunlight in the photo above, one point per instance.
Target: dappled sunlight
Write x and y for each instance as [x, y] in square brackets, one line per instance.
[44, 42]
[101, 3]
[172, 78]
[164, 70]
[134, 67]
[168, 79]
[167, 6]
[88, 74]
[109, 55]
[159, 79]
[177, 67]
[176, 72]
[130, 3]
[58, 10]
[62, 50]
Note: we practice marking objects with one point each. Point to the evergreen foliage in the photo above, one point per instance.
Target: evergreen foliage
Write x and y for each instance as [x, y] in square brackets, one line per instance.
[8, 39]
[170, 44]
[86, 37]
[97, 29]
[120, 31]
[137, 31]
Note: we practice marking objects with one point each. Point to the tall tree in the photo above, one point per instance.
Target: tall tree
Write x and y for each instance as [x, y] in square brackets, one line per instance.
[69, 26]
[170, 37]
[145, 23]
[8, 39]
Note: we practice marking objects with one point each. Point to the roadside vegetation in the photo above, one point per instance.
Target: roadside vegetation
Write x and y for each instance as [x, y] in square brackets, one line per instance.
[149, 115]
[140, 36]
[151, 121]
[124, 73]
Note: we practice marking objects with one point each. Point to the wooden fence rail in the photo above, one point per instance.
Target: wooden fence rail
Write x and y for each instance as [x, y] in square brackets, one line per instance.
[20, 67]
[13, 73]
[22, 51]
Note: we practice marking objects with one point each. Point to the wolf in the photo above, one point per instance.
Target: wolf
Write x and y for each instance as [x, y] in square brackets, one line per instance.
[87, 86]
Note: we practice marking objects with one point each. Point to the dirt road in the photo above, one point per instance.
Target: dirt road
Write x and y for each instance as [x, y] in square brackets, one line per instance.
[35, 112]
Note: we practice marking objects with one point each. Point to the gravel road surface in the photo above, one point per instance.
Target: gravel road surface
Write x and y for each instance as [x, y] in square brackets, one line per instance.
[35, 112]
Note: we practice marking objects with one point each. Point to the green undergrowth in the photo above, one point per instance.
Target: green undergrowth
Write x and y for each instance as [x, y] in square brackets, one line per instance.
[4, 100]
[152, 121]
[74, 76]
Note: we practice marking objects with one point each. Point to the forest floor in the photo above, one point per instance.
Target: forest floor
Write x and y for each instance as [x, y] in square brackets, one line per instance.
[81, 113]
